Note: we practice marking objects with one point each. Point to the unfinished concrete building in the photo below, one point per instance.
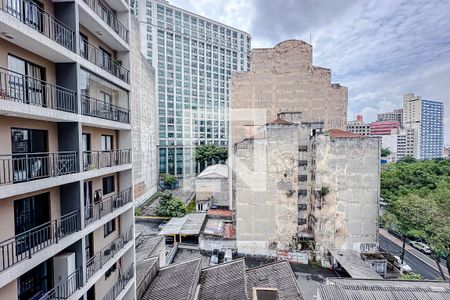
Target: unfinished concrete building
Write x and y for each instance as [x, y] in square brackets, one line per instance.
[283, 79]
[345, 192]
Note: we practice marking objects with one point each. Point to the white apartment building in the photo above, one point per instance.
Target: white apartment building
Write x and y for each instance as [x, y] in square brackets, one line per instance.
[193, 57]
[66, 182]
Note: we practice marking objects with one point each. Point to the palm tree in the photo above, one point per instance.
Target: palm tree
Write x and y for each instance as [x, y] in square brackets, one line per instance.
[322, 193]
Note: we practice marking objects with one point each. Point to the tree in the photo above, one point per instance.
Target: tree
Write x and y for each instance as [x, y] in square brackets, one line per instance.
[207, 154]
[412, 276]
[169, 180]
[385, 152]
[170, 206]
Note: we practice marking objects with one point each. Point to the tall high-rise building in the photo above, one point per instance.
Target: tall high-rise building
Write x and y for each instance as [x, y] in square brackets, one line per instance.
[426, 117]
[66, 180]
[193, 57]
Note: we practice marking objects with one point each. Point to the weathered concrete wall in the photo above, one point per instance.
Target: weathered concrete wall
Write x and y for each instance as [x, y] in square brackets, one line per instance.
[209, 244]
[283, 79]
[266, 198]
[347, 217]
[214, 189]
[143, 118]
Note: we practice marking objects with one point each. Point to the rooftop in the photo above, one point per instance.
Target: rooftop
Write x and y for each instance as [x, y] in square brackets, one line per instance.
[214, 171]
[190, 224]
[175, 282]
[355, 266]
[338, 133]
[337, 289]
[220, 213]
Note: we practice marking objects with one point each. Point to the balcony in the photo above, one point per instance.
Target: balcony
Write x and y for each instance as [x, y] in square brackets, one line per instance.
[104, 61]
[104, 110]
[26, 244]
[120, 285]
[23, 167]
[105, 14]
[65, 288]
[100, 209]
[28, 90]
[29, 13]
[103, 159]
[97, 261]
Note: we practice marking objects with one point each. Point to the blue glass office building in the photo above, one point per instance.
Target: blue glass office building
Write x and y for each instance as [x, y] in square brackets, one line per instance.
[431, 129]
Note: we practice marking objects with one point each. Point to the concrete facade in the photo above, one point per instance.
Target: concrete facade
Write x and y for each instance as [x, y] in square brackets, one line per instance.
[65, 113]
[144, 120]
[345, 218]
[211, 188]
[283, 79]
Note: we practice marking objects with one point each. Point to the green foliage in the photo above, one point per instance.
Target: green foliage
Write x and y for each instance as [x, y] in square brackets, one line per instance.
[138, 211]
[169, 179]
[385, 152]
[418, 193]
[170, 206]
[323, 191]
[191, 206]
[209, 153]
[412, 276]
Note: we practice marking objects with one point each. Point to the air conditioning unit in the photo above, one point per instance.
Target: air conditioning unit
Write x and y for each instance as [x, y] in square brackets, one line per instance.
[63, 267]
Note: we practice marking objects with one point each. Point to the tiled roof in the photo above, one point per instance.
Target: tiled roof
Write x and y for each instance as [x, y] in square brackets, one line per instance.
[338, 133]
[175, 282]
[230, 231]
[277, 275]
[190, 224]
[220, 212]
[224, 281]
[147, 246]
[280, 121]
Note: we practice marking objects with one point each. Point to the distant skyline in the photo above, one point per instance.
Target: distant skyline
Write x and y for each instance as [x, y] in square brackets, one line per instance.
[380, 50]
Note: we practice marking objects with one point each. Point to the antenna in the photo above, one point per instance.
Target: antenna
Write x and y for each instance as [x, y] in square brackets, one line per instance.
[310, 37]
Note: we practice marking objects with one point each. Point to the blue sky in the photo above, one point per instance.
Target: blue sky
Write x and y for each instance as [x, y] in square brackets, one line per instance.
[379, 49]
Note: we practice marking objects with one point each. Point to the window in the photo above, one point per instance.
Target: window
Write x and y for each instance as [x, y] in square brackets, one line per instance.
[302, 178]
[302, 163]
[302, 192]
[302, 148]
[301, 221]
[110, 270]
[109, 227]
[302, 207]
[108, 185]
[107, 142]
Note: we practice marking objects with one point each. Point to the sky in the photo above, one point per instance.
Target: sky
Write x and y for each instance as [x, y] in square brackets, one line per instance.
[379, 49]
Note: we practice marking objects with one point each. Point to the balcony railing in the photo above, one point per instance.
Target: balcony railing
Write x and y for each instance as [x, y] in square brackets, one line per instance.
[102, 109]
[106, 206]
[65, 288]
[103, 60]
[118, 287]
[29, 13]
[15, 168]
[103, 159]
[26, 244]
[105, 14]
[97, 261]
[25, 89]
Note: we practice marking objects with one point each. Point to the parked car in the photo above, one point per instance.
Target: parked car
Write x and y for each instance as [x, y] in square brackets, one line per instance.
[421, 247]
[402, 267]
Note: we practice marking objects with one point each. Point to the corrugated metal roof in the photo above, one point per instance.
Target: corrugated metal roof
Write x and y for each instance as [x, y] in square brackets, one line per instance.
[355, 266]
[350, 289]
[190, 224]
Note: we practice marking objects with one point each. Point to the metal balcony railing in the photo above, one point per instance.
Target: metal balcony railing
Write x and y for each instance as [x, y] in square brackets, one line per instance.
[65, 288]
[29, 13]
[103, 60]
[107, 16]
[26, 244]
[15, 168]
[97, 261]
[106, 206]
[25, 89]
[118, 287]
[103, 159]
[104, 110]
